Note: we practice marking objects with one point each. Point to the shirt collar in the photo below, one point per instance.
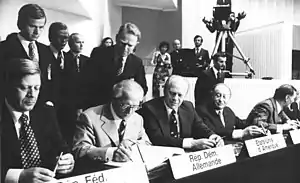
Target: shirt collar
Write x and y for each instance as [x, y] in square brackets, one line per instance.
[215, 72]
[15, 114]
[55, 51]
[169, 110]
[75, 54]
[279, 108]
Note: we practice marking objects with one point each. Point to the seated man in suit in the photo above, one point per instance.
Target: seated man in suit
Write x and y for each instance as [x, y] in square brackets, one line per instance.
[208, 78]
[114, 64]
[30, 141]
[24, 44]
[222, 120]
[269, 113]
[171, 121]
[105, 132]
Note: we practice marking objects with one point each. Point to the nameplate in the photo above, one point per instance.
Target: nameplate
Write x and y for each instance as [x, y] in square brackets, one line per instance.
[200, 161]
[129, 173]
[265, 144]
[295, 136]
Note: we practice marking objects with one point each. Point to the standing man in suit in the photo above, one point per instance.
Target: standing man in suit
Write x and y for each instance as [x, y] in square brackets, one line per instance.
[31, 22]
[208, 78]
[31, 140]
[171, 121]
[269, 113]
[177, 58]
[113, 64]
[201, 55]
[221, 119]
[105, 132]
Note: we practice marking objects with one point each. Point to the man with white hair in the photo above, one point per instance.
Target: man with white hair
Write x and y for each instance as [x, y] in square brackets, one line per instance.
[172, 121]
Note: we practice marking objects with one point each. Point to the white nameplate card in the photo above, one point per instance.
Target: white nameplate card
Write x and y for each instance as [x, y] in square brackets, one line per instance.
[200, 161]
[129, 173]
[295, 135]
[265, 144]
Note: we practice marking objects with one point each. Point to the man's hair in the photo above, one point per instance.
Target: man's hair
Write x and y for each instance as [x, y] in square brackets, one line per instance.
[129, 28]
[71, 38]
[197, 36]
[54, 27]
[164, 43]
[29, 11]
[283, 91]
[18, 68]
[175, 79]
[213, 90]
[122, 89]
[217, 55]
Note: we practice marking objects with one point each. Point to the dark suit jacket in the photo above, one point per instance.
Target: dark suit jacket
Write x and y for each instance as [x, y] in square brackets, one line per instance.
[12, 48]
[213, 121]
[157, 124]
[70, 78]
[294, 113]
[266, 113]
[177, 62]
[47, 133]
[100, 76]
[204, 85]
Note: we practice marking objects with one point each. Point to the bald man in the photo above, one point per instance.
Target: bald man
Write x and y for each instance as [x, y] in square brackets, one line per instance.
[221, 119]
[177, 57]
[171, 121]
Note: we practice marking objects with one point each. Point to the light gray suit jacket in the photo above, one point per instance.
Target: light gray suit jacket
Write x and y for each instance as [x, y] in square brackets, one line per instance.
[95, 132]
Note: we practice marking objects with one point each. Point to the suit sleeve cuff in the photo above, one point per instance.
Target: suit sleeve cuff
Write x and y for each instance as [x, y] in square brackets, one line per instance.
[109, 153]
[12, 175]
[237, 134]
[187, 143]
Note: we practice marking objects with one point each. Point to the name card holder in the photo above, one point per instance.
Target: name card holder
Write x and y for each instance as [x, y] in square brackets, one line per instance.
[128, 173]
[200, 161]
[295, 136]
[265, 144]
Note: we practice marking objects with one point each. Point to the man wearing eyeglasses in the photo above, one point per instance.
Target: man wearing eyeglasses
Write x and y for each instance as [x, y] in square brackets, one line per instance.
[171, 121]
[222, 120]
[106, 132]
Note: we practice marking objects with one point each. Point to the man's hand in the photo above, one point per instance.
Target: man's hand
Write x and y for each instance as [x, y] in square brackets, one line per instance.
[122, 153]
[36, 175]
[217, 139]
[252, 131]
[200, 144]
[65, 164]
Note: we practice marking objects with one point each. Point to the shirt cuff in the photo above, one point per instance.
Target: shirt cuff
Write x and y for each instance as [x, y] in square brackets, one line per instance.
[12, 175]
[279, 128]
[109, 153]
[187, 143]
[237, 134]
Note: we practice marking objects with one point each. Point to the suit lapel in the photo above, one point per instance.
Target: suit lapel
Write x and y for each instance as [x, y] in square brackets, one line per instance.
[184, 116]
[107, 126]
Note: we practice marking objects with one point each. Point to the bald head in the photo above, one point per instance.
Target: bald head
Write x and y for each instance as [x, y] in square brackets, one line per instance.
[175, 90]
[221, 94]
[176, 44]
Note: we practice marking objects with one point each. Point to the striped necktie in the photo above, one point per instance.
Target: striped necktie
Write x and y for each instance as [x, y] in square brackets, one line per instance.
[121, 130]
[30, 155]
[32, 52]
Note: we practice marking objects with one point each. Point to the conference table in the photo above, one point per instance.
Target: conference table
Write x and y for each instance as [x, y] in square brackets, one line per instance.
[280, 166]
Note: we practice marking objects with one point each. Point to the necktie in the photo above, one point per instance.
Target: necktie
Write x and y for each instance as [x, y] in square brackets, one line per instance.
[173, 125]
[219, 76]
[60, 59]
[77, 63]
[120, 66]
[220, 113]
[32, 51]
[30, 155]
[121, 130]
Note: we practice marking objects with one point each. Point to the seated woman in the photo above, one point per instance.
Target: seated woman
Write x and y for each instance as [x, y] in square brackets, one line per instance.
[162, 70]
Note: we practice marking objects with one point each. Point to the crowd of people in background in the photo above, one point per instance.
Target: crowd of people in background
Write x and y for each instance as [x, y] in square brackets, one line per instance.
[90, 110]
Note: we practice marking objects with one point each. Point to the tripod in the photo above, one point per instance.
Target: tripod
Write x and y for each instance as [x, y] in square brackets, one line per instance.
[222, 40]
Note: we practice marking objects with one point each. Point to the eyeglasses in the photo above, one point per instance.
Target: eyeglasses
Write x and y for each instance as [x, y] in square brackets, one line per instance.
[131, 107]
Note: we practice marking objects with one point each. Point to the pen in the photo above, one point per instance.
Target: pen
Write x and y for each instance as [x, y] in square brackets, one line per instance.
[127, 156]
[56, 166]
[263, 128]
